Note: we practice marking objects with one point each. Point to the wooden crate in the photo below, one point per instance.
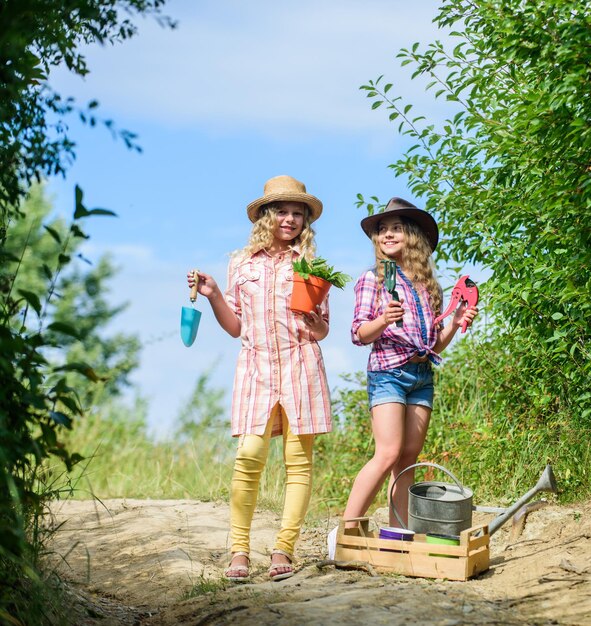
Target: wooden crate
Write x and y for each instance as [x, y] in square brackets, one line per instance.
[416, 558]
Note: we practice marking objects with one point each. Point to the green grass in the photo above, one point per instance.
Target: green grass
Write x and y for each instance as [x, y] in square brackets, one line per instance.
[489, 445]
[495, 455]
[122, 461]
[204, 585]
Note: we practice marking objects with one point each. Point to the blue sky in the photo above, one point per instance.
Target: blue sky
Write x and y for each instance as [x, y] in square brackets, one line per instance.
[238, 93]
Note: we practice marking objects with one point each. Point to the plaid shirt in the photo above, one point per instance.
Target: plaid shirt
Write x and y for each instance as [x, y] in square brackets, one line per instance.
[396, 346]
[279, 360]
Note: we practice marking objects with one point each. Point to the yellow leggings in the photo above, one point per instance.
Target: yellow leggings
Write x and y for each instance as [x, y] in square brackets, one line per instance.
[251, 458]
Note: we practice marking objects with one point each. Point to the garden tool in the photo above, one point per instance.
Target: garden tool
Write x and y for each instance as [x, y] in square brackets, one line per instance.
[390, 283]
[447, 508]
[436, 507]
[190, 316]
[546, 482]
[465, 290]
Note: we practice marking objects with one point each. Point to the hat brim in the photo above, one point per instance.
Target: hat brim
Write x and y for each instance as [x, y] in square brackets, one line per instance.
[314, 204]
[424, 220]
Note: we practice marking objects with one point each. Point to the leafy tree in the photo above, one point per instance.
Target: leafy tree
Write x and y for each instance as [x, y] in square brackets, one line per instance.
[79, 305]
[36, 35]
[509, 177]
[37, 401]
[36, 405]
[204, 410]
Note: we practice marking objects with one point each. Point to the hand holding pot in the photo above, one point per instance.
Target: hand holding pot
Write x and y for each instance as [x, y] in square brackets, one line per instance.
[316, 323]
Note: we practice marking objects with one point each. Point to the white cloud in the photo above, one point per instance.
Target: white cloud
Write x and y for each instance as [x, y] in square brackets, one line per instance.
[266, 67]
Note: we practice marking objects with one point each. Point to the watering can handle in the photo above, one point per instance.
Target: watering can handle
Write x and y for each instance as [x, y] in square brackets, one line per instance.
[193, 294]
[439, 467]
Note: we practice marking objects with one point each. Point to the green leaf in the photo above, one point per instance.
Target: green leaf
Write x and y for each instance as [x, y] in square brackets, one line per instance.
[101, 212]
[66, 329]
[8, 257]
[61, 418]
[71, 404]
[32, 299]
[47, 271]
[80, 210]
[81, 368]
[53, 233]
[319, 267]
[77, 232]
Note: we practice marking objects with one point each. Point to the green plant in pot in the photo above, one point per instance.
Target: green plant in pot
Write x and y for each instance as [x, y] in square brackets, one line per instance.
[311, 282]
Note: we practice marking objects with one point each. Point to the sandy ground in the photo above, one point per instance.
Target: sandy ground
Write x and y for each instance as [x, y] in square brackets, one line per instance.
[160, 562]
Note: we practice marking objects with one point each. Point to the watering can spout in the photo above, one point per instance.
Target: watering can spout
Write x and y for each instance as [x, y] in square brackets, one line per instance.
[546, 482]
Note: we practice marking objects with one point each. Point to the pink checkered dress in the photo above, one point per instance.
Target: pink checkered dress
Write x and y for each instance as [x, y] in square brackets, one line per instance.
[279, 360]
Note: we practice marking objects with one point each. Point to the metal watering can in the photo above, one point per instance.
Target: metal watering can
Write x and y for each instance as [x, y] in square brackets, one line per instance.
[436, 507]
[446, 509]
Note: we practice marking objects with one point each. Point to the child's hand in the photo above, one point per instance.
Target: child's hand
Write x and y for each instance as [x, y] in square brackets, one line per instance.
[191, 279]
[393, 312]
[206, 285]
[464, 314]
[315, 322]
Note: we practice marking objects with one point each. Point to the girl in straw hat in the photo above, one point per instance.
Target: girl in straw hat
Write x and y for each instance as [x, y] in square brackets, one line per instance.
[280, 385]
[405, 343]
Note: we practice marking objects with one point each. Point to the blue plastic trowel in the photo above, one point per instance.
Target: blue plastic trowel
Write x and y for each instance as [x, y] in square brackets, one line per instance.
[190, 316]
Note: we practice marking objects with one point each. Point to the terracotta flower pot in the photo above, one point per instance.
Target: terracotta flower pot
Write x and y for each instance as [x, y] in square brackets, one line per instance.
[308, 293]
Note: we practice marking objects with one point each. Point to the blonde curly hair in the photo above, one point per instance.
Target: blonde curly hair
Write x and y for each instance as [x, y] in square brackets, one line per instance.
[261, 236]
[417, 261]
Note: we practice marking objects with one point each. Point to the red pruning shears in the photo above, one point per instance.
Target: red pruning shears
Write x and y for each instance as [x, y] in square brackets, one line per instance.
[464, 291]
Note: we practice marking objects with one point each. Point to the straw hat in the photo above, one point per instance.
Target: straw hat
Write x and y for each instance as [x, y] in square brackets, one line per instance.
[403, 208]
[287, 189]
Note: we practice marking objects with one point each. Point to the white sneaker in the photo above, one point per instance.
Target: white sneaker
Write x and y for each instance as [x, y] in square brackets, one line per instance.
[331, 541]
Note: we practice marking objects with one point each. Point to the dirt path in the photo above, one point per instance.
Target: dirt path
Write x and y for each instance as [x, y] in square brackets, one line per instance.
[160, 562]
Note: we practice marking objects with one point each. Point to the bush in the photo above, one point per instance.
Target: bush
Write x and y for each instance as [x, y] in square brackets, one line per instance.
[507, 175]
[473, 432]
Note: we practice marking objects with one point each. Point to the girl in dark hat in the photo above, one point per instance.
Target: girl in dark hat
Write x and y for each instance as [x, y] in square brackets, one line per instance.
[399, 376]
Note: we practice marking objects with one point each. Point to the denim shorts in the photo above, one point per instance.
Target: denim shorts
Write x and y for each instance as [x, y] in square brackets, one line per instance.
[412, 383]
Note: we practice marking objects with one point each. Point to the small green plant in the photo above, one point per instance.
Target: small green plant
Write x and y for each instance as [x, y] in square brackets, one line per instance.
[320, 267]
[202, 586]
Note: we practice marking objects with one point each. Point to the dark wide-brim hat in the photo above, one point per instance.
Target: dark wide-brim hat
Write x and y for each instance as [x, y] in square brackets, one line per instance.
[285, 189]
[403, 208]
